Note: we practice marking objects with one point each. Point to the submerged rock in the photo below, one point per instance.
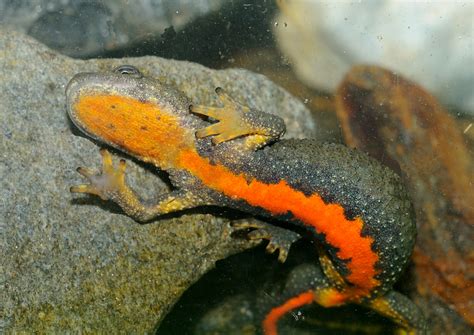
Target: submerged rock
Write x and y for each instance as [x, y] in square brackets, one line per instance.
[83, 28]
[77, 264]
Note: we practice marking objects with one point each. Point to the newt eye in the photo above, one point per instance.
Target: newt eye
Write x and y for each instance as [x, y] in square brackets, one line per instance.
[128, 70]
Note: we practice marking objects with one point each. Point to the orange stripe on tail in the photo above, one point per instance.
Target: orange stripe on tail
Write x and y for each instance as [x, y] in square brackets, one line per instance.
[271, 320]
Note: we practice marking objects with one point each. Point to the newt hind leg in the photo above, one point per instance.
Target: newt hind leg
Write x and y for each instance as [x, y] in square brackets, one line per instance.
[110, 184]
[278, 238]
[402, 311]
[323, 285]
[236, 120]
[392, 305]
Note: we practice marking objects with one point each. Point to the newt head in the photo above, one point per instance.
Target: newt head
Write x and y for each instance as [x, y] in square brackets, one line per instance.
[132, 113]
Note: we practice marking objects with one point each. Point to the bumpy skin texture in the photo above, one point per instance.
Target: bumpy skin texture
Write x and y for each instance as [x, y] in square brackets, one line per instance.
[351, 179]
[356, 209]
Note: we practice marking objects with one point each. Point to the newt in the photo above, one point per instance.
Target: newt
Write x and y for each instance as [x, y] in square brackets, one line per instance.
[356, 210]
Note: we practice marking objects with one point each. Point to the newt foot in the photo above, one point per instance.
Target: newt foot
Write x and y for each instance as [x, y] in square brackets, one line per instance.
[231, 121]
[107, 183]
[236, 120]
[278, 238]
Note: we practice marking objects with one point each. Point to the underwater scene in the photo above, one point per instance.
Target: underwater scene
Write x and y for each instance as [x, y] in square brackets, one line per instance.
[265, 167]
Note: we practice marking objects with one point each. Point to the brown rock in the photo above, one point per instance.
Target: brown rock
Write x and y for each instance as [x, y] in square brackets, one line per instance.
[406, 128]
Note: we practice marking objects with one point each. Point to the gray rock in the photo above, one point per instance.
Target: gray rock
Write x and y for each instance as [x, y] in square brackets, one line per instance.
[76, 263]
[80, 28]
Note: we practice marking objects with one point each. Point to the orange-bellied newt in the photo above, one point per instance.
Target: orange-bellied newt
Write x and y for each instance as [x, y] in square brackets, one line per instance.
[356, 209]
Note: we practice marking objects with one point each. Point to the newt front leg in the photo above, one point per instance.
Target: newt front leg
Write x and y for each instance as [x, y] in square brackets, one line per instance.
[110, 184]
[236, 120]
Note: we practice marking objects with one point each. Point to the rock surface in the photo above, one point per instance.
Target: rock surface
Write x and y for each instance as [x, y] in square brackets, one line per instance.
[76, 263]
[81, 28]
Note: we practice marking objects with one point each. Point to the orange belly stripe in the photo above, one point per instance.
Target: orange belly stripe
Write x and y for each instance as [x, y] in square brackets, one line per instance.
[143, 129]
[280, 198]
[153, 134]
